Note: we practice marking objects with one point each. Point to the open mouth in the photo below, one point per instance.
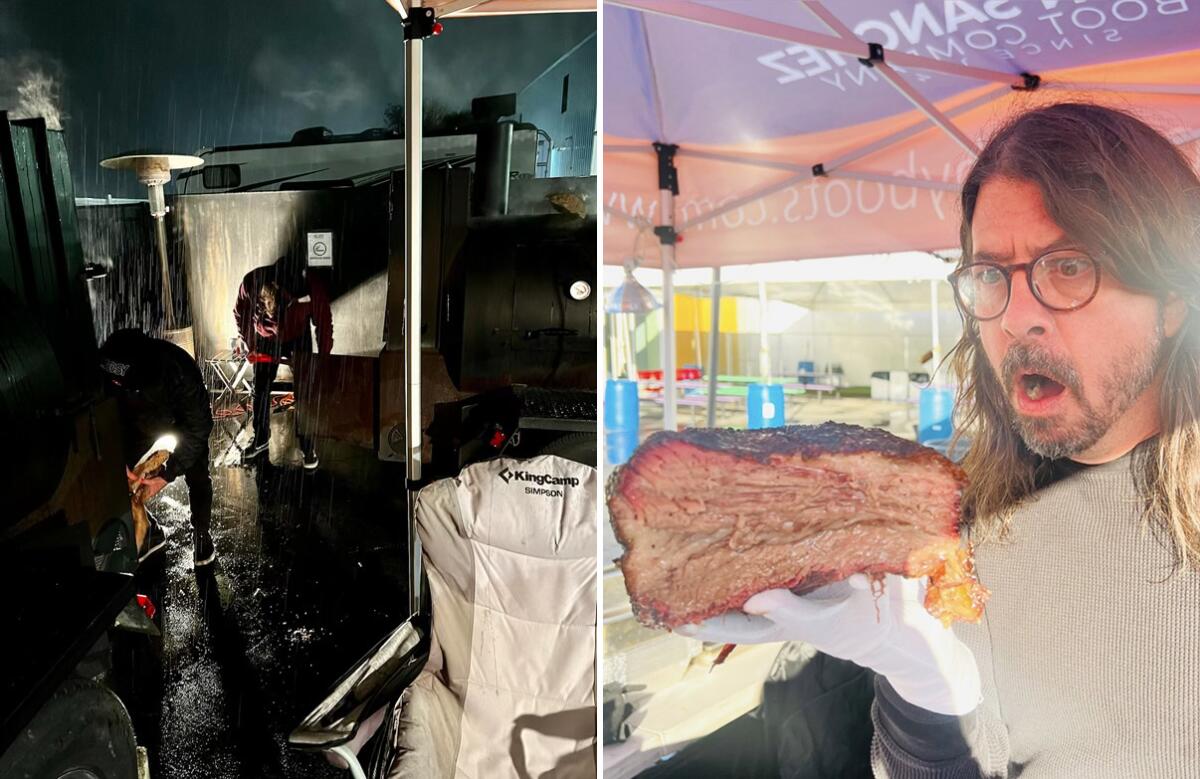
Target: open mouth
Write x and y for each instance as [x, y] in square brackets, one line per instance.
[1036, 387]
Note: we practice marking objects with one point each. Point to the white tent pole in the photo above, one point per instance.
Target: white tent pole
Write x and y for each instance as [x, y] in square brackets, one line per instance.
[764, 348]
[630, 332]
[929, 109]
[400, 7]
[715, 17]
[832, 167]
[667, 343]
[757, 195]
[668, 184]
[413, 116]
[891, 140]
[936, 326]
[892, 77]
[836, 163]
[714, 346]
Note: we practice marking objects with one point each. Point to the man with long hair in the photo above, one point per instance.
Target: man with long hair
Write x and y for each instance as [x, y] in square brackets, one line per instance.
[1079, 392]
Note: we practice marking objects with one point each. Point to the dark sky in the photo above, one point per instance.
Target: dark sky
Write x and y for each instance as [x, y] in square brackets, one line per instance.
[177, 76]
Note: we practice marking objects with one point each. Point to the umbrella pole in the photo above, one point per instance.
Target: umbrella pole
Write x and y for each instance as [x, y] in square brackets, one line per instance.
[668, 188]
[413, 115]
[714, 346]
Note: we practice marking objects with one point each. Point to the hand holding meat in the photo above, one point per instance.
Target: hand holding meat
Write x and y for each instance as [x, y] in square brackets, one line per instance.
[878, 624]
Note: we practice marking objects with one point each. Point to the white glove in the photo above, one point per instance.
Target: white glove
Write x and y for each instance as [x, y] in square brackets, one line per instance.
[893, 635]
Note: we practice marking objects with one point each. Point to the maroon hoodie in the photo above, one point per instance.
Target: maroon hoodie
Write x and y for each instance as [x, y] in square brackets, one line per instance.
[288, 328]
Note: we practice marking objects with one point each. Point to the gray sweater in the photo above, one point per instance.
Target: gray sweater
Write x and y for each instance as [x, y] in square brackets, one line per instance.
[1089, 651]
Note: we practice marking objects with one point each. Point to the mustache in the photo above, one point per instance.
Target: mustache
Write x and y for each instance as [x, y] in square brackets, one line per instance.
[1028, 358]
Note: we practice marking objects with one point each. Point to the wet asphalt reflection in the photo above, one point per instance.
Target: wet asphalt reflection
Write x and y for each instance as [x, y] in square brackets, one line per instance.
[309, 575]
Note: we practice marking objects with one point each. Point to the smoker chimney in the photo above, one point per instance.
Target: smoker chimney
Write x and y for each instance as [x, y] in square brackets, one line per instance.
[493, 153]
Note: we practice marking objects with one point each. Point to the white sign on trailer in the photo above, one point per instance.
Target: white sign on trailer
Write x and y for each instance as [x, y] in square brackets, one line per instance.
[320, 250]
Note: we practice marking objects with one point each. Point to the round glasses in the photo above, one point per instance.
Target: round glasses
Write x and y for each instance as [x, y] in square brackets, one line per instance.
[1062, 280]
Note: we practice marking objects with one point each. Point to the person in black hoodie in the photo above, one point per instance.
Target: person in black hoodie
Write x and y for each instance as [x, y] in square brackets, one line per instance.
[160, 392]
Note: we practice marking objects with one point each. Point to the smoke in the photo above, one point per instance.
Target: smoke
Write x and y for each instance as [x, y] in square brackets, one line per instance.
[31, 86]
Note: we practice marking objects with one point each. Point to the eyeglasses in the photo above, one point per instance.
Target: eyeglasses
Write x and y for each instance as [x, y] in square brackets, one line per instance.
[1063, 280]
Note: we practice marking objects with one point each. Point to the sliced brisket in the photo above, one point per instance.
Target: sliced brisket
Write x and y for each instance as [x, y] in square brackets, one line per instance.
[710, 517]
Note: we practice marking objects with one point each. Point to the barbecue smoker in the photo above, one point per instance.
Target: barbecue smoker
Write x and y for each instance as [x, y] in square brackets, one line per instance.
[509, 318]
[66, 537]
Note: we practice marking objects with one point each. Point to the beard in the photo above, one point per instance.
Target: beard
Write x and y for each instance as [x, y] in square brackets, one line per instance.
[1055, 437]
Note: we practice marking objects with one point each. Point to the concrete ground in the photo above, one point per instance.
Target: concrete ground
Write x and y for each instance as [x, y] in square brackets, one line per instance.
[310, 574]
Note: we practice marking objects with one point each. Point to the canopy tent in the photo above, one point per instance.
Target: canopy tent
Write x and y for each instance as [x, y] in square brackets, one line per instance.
[806, 129]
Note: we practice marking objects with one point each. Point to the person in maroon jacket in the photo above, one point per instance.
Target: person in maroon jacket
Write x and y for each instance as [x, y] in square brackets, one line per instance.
[278, 306]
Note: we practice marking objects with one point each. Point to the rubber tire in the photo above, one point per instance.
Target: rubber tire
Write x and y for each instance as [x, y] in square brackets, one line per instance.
[578, 447]
[84, 725]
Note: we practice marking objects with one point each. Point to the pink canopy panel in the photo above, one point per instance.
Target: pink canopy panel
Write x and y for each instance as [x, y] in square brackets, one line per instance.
[790, 147]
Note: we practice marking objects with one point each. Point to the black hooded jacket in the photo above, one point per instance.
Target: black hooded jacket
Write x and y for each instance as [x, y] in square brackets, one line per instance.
[160, 391]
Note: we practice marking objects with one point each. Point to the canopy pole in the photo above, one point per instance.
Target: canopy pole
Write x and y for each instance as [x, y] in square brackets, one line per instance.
[413, 117]
[714, 346]
[764, 347]
[875, 59]
[668, 188]
[935, 328]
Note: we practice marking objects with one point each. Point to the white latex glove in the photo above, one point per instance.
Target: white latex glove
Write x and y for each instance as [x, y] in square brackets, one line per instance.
[894, 636]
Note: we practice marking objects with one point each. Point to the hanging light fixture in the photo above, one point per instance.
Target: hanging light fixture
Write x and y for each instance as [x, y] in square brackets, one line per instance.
[630, 297]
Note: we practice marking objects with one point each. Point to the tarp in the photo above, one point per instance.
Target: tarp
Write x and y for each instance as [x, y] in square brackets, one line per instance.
[756, 94]
[509, 689]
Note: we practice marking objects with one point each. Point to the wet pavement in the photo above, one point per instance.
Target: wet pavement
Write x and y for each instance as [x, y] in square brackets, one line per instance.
[309, 575]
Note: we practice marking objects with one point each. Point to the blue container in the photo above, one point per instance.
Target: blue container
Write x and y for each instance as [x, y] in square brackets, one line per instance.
[936, 414]
[806, 368]
[620, 420]
[764, 406]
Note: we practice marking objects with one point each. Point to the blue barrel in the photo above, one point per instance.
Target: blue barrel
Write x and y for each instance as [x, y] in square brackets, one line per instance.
[764, 406]
[936, 414]
[620, 420]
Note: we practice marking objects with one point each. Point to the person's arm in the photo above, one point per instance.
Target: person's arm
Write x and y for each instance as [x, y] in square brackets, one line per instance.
[193, 418]
[914, 743]
[243, 312]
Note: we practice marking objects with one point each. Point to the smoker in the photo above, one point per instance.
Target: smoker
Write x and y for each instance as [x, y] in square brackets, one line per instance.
[508, 310]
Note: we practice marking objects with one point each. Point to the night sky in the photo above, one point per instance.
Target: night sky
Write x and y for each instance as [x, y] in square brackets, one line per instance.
[178, 76]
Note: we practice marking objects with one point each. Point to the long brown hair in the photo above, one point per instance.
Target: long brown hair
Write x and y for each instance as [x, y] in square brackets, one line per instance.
[1131, 197]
